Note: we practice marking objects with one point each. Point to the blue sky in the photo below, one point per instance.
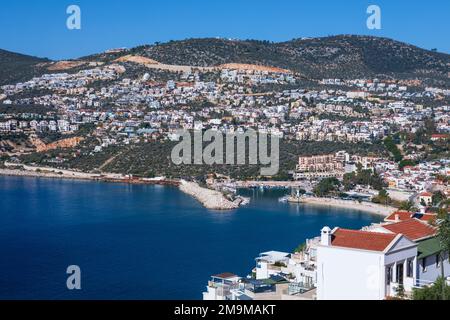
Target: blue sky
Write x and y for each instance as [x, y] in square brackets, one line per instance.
[39, 27]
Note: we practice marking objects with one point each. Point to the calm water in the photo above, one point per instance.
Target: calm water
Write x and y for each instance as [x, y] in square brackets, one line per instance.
[138, 242]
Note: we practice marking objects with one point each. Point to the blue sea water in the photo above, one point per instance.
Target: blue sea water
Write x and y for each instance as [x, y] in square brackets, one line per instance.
[137, 241]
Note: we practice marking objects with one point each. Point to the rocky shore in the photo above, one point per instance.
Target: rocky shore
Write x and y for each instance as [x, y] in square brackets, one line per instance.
[211, 199]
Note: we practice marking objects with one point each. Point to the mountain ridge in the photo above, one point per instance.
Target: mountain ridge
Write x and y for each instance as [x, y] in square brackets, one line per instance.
[15, 67]
[340, 56]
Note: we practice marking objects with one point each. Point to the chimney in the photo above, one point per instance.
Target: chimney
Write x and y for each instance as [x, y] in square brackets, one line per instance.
[325, 237]
[397, 217]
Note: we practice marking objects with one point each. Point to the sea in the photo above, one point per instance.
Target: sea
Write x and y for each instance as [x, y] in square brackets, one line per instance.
[140, 241]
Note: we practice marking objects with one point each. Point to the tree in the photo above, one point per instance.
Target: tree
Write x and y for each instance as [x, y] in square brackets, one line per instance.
[406, 163]
[348, 181]
[301, 247]
[327, 186]
[382, 198]
[444, 239]
[438, 196]
[362, 177]
[408, 206]
[390, 145]
[433, 292]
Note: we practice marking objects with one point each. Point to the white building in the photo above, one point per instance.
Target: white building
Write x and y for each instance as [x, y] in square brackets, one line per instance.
[364, 265]
[270, 263]
[220, 287]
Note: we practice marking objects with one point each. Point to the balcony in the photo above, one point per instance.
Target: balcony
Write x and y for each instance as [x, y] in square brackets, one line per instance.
[420, 283]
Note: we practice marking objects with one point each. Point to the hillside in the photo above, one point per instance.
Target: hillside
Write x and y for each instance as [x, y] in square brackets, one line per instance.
[343, 56]
[15, 67]
[337, 56]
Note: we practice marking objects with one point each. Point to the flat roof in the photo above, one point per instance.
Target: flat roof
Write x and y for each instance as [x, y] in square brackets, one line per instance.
[224, 275]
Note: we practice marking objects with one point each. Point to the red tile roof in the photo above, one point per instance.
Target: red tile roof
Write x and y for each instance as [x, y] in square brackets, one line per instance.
[412, 229]
[439, 136]
[225, 275]
[405, 215]
[425, 194]
[357, 239]
[402, 215]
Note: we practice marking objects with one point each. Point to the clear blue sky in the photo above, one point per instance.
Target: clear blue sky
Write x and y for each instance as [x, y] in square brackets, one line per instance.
[38, 27]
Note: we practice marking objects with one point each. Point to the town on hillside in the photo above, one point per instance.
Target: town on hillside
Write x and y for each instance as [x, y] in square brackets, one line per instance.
[378, 144]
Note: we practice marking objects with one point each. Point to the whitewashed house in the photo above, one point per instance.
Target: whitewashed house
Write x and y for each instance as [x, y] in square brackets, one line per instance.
[429, 250]
[364, 265]
[270, 263]
[220, 286]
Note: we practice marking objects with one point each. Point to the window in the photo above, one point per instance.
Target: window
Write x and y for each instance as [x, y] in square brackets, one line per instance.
[388, 275]
[410, 268]
[399, 273]
[424, 264]
[438, 260]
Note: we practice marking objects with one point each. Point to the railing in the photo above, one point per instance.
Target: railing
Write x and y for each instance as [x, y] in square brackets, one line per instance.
[299, 287]
[274, 267]
[419, 283]
[222, 289]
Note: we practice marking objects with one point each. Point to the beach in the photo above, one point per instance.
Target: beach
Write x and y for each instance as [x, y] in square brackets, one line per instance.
[369, 207]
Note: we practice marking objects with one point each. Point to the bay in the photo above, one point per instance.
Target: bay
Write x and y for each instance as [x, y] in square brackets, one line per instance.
[138, 241]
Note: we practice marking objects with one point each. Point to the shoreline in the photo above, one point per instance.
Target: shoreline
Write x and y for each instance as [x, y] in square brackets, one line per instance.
[43, 174]
[211, 199]
[52, 173]
[369, 207]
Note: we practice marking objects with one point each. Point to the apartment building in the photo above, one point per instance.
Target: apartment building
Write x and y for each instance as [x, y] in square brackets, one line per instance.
[321, 166]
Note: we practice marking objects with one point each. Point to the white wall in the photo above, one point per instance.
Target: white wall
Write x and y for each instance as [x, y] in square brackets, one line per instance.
[349, 274]
[210, 293]
[262, 271]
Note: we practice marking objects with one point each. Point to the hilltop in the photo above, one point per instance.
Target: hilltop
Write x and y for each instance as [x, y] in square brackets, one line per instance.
[16, 67]
[342, 56]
